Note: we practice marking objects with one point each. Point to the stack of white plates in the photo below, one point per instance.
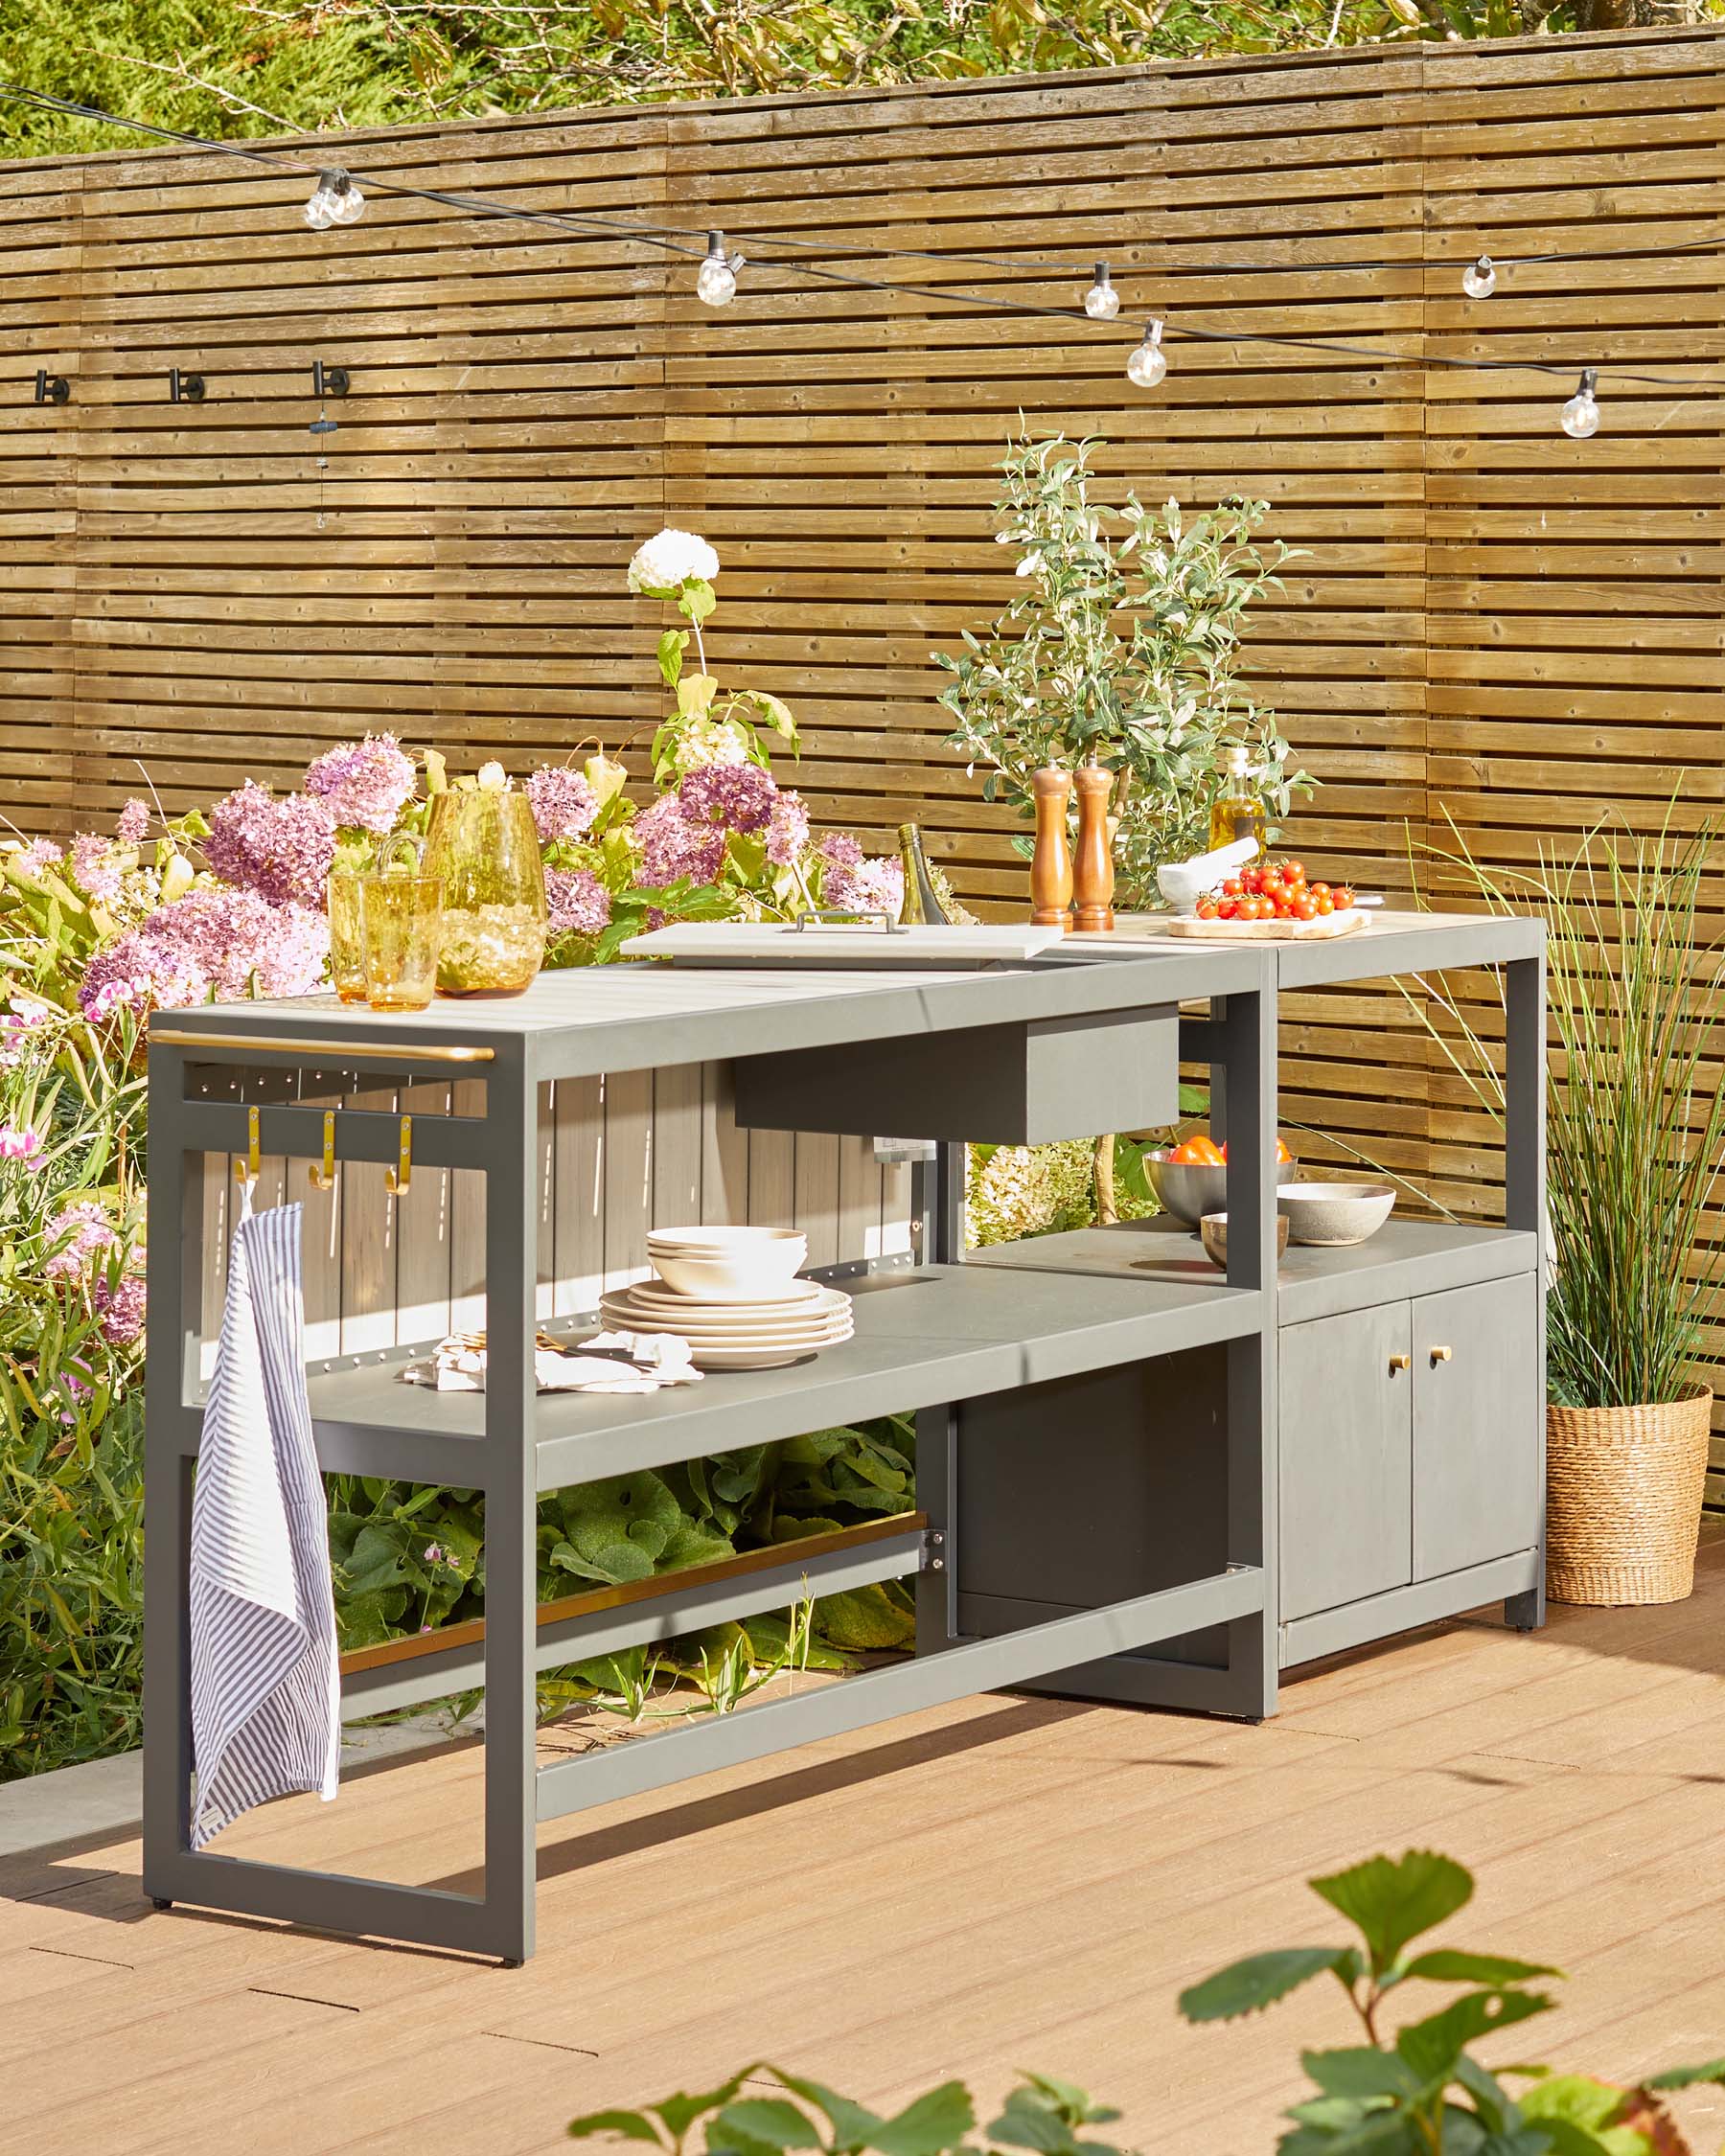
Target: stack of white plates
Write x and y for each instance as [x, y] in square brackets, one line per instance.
[735, 1336]
[733, 1295]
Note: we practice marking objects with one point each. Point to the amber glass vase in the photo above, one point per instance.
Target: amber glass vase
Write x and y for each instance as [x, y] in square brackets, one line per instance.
[486, 848]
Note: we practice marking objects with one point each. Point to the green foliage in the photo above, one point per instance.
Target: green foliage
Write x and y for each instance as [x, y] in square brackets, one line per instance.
[220, 70]
[1122, 650]
[1419, 2091]
[1635, 1116]
[71, 1452]
[1041, 2114]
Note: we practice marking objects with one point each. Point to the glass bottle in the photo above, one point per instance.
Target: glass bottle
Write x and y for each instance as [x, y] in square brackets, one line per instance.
[1236, 813]
[922, 906]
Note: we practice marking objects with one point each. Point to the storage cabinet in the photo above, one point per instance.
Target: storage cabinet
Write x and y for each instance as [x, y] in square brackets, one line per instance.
[1476, 1420]
[1346, 1458]
[1409, 1443]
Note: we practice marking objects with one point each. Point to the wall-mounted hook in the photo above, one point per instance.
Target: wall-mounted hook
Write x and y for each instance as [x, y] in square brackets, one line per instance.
[324, 1178]
[184, 389]
[246, 1170]
[397, 1179]
[52, 389]
[329, 382]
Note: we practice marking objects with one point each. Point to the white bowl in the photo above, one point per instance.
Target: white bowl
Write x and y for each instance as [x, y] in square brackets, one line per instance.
[747, 1273]
[1334, 1213]
[713, 1242]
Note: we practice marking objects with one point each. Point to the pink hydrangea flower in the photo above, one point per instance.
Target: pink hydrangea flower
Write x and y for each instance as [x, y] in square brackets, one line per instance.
[672, 847]
[787, 830]
[93, 868]
[119, 1309]
[280, 846]
[17, 1026]
[133, 822]
[75, 1235]
[365, 784]
[737, 796]
[17, 1143]
[563, 804]
[211, 941]
[577, 903]
[856, 885]
[39, 854]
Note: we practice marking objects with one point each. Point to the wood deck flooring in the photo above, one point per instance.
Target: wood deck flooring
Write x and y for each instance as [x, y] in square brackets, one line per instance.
[1006, 1883]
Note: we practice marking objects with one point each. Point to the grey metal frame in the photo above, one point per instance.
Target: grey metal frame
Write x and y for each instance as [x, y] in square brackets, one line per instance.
[1001, 1332]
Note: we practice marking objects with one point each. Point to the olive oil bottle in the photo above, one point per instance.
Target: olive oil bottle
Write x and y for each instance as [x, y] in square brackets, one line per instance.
[1236, 813]
[922, 906]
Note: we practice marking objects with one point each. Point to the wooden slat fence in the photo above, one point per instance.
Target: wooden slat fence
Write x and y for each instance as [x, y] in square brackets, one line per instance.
[1490, 623]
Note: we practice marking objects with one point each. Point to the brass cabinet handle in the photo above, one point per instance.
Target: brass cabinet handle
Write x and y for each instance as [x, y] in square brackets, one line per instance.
[1440, 1355]
[1401, 1361]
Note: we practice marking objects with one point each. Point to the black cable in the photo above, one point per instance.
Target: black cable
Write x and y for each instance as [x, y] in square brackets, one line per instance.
[672, 238]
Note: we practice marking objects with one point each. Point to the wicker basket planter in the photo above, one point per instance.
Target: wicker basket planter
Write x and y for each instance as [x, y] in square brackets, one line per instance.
[1623, 1489]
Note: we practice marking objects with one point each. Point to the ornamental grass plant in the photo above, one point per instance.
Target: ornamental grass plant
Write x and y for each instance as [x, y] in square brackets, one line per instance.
[1635, 1110]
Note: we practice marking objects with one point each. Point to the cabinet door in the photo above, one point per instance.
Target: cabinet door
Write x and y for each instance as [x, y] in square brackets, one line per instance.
[1476, 1425]
[1346, 1436]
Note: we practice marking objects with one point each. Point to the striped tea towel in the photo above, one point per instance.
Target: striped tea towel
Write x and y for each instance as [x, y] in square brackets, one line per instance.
[265, 1688]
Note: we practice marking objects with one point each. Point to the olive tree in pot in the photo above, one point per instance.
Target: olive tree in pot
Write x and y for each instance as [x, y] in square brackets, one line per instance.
[1122, 652]
[1634, 1138]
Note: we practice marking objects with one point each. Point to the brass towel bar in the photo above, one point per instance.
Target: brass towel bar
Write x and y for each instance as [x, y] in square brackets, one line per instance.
[283, 1044]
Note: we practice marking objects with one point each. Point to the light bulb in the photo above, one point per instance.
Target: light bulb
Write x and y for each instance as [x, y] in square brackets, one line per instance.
[1101, 303]
[717, 282]
[320, 210]
[1148, 362]
[347, 202]
[1479, 280]
[1582, 414]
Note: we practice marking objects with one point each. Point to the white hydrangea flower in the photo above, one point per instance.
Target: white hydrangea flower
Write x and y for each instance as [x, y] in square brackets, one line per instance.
[671, 558]
[702, 742]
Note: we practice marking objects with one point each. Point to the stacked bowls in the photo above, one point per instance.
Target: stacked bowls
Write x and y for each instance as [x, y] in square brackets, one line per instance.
[733, 1295]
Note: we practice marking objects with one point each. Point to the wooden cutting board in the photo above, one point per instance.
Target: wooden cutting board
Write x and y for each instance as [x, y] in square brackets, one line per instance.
[1319, 930]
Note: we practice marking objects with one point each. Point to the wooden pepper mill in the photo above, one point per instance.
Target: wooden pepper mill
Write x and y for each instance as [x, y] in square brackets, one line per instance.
[1093, 868]
[1052, 864]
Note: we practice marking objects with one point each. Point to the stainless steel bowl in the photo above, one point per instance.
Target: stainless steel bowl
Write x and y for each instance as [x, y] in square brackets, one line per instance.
[1190, 1191]
[1187, 1191]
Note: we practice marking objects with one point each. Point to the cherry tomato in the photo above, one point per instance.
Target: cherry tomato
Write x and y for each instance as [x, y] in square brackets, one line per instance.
[1343, 898]
[1323, 903]
[1305, 908]
[1294, 871]
[1233, 888]
[1207, 910]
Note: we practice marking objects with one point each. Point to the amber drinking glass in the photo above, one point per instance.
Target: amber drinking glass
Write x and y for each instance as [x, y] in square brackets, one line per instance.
[347, 936]
[484, 844]
[403, 916]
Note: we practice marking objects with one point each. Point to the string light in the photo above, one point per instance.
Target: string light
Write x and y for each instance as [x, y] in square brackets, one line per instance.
[336, 200]
[1582, 414]
[1148, 362]
[717, 282]
[1479, 280]
[1101, 303]
[343, 202]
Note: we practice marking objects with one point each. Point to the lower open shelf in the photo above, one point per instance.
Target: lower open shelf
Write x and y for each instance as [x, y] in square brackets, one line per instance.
[1404, 1258]
[924, 1337]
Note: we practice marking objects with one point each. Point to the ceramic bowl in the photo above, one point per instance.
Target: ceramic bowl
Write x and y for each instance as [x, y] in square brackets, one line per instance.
[1334, 1212]
[1213, 1230]
[1190, 1192]
[732, 1264]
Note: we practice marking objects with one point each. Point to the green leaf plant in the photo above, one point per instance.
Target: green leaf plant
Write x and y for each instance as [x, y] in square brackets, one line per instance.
[1122, 649]
[1416, 2089]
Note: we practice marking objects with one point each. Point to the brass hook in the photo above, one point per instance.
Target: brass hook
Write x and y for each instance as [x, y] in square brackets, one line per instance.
[324, 1178]
[396, 1180]
[246, 1170]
